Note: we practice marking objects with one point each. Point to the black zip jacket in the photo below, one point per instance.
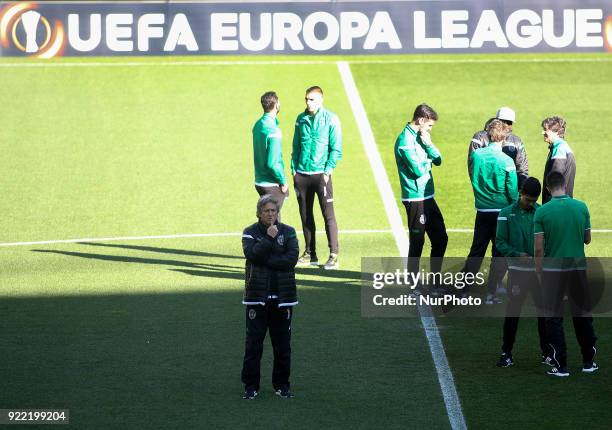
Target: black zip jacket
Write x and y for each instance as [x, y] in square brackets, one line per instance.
[270, 264]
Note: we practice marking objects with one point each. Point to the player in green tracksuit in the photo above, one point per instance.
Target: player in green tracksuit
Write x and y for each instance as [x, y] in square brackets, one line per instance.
[317, 147]
[267, 151]
[561, 228]
[414, 156]
[514, 240]
[494, 183]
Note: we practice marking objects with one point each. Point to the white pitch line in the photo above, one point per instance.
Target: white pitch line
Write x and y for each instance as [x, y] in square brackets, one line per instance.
[300, 62]
[175, 236]
[443, 370]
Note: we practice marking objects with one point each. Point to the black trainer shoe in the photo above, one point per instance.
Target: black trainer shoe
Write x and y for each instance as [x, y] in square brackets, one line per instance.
[558, 371]
[590, 367]
[307, 259]
[332, 262]
[284, 393]
[505, 360]
[249, 394]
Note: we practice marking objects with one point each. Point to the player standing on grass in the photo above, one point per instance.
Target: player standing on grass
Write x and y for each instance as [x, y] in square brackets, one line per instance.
[514, 240]
[512, 146]
[560, 156]
[267, 151]
[414, 155]
[271, 251]
[494, 183]
[562, 227]
[317, 147]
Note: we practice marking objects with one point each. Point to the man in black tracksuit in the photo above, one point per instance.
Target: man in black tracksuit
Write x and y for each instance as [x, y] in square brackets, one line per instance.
[560, 156]
[271, 250]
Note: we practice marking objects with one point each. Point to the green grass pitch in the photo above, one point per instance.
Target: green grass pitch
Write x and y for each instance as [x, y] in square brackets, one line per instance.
[150, 333]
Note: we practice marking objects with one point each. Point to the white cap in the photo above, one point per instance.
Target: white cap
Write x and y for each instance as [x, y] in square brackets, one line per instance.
[506, 114]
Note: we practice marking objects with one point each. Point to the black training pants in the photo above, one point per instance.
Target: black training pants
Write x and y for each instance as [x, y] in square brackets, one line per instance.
[424, 216]
[556, 285]
[521, 283]
[485, 229]
[260, 319]
[306, 186]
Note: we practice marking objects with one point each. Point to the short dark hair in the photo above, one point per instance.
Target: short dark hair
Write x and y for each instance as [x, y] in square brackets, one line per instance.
[268, 101]
[314, 88]
[555, 180]
[556, 124]
[424, 111]
[532, 187]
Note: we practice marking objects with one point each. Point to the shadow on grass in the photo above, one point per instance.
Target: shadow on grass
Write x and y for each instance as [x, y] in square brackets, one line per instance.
[210, 270]
[148, 361]
[163, 250]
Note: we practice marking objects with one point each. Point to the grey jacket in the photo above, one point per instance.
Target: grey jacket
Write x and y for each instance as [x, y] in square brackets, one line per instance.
[513, 147]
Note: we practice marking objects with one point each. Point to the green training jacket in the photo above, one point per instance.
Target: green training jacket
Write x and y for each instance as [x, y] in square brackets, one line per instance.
[494, 180]
[515, 234]
[317, 142]
[267, 152]
[414, 160]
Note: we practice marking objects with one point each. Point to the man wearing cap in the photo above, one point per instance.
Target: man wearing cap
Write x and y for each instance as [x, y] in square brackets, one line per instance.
[513, 145]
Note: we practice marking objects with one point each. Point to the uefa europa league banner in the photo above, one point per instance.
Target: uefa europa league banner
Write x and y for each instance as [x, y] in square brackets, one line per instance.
[46, 30]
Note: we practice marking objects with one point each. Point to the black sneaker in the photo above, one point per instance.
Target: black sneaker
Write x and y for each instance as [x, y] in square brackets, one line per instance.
[558, 371]
[590, 367]
[249, 394]
[284, 393]
[332, 262]
[307, 259]
[505, 360]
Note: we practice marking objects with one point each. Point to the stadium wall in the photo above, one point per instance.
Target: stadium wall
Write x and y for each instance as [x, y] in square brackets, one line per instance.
[51, 29]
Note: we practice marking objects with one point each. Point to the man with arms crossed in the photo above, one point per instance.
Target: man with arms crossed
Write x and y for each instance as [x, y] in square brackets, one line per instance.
[267, 151]
[562, 227]
[271, 251]
[317, 147]
[414, 155]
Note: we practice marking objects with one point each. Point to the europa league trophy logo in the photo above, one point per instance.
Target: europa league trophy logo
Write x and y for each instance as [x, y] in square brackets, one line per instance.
[30, 21]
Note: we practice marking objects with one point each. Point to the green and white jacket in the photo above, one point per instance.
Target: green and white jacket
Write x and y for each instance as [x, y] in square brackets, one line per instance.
[494, 180]
[414, 160]
[267, 152]
[317, 143]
